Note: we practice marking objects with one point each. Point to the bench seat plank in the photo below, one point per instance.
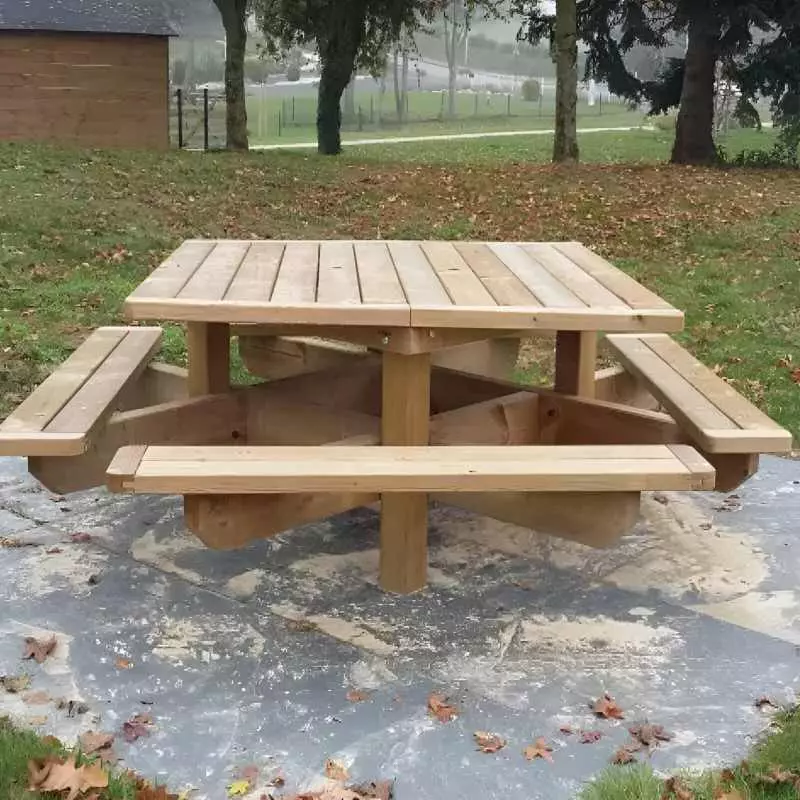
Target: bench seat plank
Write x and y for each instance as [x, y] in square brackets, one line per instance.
[59, 417]
[713, 414]
[253, 470]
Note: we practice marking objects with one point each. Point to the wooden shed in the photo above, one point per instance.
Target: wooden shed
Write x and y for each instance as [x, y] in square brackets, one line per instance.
[86, 72]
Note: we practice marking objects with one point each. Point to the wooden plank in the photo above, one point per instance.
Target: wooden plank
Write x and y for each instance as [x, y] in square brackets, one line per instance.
[420, 282]
[225, 522]
[212, 278]
[163, 383]
[42, 444]
[394, 470]
[617, 385]
[495, 358]
[376, 274]
[509, 420]
[338, 279]
[98, 397]
[174, 273]
[297, 275]
[256, 276]
[733, 469]
[463, 286]
[39, 408]
[124, 466]
[596, 519]
[576, 361]
[405, 420]
[570, 275]
[733, 405]
[548, 290]
[208, 352]
[615, 280]
[506, 288]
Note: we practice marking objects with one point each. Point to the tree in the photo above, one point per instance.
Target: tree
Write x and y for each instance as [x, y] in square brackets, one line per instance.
[234, 20]
[348, 34]
[456, 18]
[565, 41]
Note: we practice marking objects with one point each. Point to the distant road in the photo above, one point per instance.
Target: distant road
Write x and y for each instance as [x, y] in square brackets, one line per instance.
[444, 137]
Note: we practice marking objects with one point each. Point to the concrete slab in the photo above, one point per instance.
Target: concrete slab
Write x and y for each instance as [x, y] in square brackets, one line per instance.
[246, 657]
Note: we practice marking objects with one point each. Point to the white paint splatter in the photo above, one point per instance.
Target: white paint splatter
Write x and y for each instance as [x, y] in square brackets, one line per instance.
[245, 585]
[774, 613]
[44, 573]
[161, 554]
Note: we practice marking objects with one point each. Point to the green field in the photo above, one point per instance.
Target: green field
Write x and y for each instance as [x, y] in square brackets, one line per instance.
[85, 226]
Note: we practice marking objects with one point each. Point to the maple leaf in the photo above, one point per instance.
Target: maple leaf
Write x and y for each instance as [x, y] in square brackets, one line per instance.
[358, 695]
[92, 742]
[729, 794]
[14, 684]
[136, 727]
[439, 707]
[607, 708]
[38, 649]
[146, 791]
[488, 742]
[239, 788]
[674, 789]
[56, 775]
[335, 770]
[123, 663]
[539, 749]
[649, 735]
[623, 755]
[590, 737]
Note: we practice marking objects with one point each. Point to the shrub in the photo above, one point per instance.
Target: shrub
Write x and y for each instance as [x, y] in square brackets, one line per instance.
[531, 90]
[665, 122]
[293, 72]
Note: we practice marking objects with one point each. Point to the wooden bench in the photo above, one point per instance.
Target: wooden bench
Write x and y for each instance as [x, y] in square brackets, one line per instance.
[714, 416]
[231, 470]
[61, 415]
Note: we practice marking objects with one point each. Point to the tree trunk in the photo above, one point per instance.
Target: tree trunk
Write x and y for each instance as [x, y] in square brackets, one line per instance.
[565, 143]
[451, 46]
[338, 51]
[398, 94]
[694, 134]
[234, 20]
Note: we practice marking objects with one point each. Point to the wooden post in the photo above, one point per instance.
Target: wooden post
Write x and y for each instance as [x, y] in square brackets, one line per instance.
[208, 346]
[404, 516]
[576, 356]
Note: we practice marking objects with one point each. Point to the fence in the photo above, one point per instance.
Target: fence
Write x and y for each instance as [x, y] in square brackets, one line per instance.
[197, 119]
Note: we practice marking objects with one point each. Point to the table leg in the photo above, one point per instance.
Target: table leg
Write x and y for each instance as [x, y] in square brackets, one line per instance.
[209, 357]
[405, 420]
[576, 360]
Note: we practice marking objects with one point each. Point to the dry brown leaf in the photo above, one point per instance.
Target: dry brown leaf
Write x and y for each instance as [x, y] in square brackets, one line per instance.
[623, 755]
[56, 775]
[35, 721]
[374, 790]
[136, 727]
[675, 789]
[539, 749]
[440, 707]
[38, 649]
[80, 538]
[123, 663]
[777, 775]
[94, 742]
[765, 701]
[358, 695]
[145, 791]
[39, 698]
[336, 771]
[488, 742]
[607, 708]
[649, 735]
[566, 730]
[727, 794]
[590, 737]
[14, 684]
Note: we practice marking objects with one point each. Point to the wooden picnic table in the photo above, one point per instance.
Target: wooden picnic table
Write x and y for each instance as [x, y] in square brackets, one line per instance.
[256, 460]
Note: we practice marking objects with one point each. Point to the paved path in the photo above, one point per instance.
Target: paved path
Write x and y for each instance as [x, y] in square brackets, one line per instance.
[444, 137]
[246, 657]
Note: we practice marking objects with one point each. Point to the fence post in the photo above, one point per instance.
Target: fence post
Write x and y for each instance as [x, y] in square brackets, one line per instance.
[508, 104]
[179, 96]
[280, 120]
[292, 108]
[360, 118]
[541, 97]
[441, 106]
[476, 104]
[205, 119]
[372, 109]
[600, 102]
[406, 119]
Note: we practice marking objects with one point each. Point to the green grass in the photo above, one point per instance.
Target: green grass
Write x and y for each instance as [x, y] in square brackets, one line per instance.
[781, 749]
[79, 229]
[18, 747]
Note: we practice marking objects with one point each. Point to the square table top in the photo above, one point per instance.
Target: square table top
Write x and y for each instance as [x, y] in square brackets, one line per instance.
[437, 284]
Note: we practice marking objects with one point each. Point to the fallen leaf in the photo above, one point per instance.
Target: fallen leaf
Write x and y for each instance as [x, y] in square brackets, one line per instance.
[239, 788]
[675, 789]
[488, 742]
[39, 698]
[566, 730]
[58, 776]
[51, 551]
[38, 649]
[146, 791]
[123, 663]
[623, 755]
[92, 742]
[763, 701]
[80, 538]
[730, 794]
[590, 737]
[14, 684]
[358, 695]
[649, 735]
[539, 749]
[36, 721]
[335, 770]
[136, 727]
[374, 790]
[776, 775]
[277, 781]
[795, 375]
[441, 708]
[661, 498]
[607, 708]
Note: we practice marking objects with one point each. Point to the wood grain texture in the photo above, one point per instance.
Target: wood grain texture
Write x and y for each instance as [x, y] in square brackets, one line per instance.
[576, 362]
[208, 353]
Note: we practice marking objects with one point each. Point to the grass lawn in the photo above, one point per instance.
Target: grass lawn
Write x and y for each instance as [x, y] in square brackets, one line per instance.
[78, 229]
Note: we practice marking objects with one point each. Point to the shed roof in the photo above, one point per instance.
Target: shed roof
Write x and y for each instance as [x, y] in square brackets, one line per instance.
[148, 17]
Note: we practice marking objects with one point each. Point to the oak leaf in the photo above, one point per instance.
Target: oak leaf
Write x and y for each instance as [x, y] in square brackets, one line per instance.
[649, 735]
[539, 749]
[38, 649]
[59, 776]
[336, 771]
[136, 727]
[624, 755]
[14, 684]
[675, 789]
[607, 708]
[590, 737]
[488, 742]
[440, 707]
[92, 742]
